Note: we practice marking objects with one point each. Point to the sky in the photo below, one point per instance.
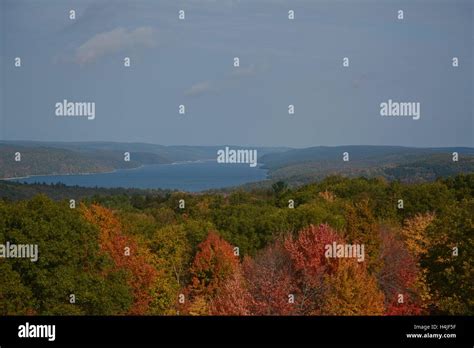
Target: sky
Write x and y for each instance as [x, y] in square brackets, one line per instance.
[191, 62]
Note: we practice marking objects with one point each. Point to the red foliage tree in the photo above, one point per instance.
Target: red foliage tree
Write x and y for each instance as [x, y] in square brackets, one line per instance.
[307, 255]
[330, 286]
[270, 282]
[307, 250]
[398, 276]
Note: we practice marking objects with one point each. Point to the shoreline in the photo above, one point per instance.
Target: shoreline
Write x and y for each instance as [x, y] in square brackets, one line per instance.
[67, 174]
[107, 172]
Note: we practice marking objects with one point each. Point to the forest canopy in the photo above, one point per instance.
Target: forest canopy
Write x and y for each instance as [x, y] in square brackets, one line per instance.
[257, 252]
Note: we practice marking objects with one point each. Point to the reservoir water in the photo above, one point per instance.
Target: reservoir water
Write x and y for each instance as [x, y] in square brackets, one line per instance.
[188, 176]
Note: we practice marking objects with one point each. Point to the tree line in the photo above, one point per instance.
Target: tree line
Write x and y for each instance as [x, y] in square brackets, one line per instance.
[259, 252]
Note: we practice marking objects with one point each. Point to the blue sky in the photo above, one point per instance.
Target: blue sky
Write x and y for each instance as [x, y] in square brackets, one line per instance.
[282, 62]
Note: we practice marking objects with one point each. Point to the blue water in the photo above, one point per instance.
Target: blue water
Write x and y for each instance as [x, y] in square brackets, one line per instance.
[191, 176]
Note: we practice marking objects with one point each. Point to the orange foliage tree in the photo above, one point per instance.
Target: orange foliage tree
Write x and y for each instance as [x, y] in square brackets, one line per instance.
[233, 297]
[127, 255]
[214, 267]
[330, 286]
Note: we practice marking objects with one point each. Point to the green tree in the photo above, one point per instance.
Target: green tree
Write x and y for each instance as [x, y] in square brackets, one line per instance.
[449, 261]
[362, 228]
[69, 262]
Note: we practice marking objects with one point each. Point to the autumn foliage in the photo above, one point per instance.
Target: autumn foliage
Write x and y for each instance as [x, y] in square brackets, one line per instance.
[270, 281]
[215, 269]
[398, 276]
[214, 263]
[291, 276]
[126, 254]
[247, 252]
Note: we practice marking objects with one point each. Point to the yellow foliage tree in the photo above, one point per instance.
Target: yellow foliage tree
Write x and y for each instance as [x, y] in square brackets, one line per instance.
[414, 234]
[351, 290]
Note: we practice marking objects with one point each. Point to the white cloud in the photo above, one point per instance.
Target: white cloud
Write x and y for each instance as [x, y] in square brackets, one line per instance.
[199, 88]
[114, 41]
[231, 80]
[244, 71]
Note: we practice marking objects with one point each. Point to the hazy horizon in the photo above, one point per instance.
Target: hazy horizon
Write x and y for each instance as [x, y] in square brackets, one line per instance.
[224, 144]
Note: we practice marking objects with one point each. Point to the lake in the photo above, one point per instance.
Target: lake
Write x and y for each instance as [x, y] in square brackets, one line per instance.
[188, 176]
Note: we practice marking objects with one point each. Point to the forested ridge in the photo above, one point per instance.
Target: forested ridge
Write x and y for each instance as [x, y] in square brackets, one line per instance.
[412, 165]
[259, 252]
[294, 166]
[20, 161]
[26, 158]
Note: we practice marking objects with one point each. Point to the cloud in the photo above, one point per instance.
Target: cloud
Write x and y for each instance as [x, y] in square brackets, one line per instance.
[244, 71]
[114, 41]
[199, 88]
[231, 80]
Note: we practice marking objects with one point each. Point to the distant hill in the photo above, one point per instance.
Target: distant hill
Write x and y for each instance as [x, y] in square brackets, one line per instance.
[295, 166]
[40, 160]
[50, 158]
[300, 166]
[366, 154]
